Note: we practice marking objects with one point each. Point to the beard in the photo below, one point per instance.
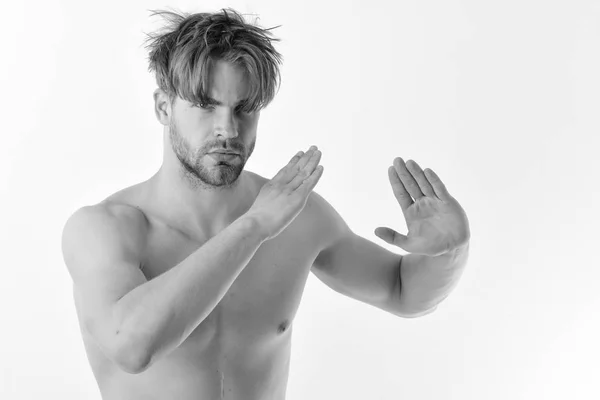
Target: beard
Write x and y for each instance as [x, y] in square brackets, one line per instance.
[202, 171]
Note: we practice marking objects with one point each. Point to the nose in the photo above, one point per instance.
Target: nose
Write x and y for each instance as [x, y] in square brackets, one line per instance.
[226, 127]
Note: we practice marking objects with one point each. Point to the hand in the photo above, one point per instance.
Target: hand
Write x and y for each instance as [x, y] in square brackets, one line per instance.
[436, 222]
[282, 198]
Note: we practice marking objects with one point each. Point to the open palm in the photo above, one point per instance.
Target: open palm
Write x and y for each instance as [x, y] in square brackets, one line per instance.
[436, 222]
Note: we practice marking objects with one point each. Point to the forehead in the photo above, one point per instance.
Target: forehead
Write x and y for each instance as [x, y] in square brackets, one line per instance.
[228, 82]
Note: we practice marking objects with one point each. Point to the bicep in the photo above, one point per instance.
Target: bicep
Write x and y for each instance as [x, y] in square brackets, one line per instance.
[104, 266]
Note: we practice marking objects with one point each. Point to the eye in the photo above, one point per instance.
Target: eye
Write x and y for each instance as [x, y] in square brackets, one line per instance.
[242, 110]
[205, 106]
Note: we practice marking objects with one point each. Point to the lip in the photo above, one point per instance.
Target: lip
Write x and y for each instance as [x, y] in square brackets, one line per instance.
[224, 152]
[228, 157]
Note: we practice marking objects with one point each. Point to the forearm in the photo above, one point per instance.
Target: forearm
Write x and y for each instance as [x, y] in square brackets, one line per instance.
[159, 315]
[426, 281]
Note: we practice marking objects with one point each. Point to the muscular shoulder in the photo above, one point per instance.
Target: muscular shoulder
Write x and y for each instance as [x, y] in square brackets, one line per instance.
[328, 223]
[131, 220]
[115, 225]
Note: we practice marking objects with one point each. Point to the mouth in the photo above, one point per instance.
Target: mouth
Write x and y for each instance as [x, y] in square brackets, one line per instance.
[223, 151]
[220, 156]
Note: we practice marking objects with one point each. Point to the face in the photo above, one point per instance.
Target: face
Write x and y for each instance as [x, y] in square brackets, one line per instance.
[196, 131]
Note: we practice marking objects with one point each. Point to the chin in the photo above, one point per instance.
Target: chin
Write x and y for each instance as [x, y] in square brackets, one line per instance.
[223, 173]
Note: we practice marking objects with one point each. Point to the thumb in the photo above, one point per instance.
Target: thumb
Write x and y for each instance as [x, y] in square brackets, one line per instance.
[391, 236]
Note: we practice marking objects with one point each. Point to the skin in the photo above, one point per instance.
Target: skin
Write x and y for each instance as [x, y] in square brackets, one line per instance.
[241, 350]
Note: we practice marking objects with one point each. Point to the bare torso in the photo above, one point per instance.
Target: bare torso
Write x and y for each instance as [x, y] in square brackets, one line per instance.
[242, 349]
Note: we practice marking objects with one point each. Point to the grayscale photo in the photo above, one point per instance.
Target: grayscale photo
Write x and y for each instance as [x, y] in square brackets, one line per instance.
[261, 200]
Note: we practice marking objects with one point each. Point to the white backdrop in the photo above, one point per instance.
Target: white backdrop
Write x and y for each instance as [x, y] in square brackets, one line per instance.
[501, 99]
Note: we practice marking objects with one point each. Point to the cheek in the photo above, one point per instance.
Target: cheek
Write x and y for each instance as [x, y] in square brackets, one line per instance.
[248, 126]
[192, 127]
[193, 130]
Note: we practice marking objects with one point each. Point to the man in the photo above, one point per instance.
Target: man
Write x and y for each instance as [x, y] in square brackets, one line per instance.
[186, 285]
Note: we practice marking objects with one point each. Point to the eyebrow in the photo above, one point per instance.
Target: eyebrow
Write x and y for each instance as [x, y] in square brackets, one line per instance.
[212, 101]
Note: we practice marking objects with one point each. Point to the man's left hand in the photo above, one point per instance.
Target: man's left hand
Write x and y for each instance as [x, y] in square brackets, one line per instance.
[436, 222]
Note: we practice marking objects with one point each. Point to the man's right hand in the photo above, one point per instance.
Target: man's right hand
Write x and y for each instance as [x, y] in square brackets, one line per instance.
[282, 198]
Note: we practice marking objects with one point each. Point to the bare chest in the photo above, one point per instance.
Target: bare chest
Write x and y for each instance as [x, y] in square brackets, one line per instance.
[261, 303]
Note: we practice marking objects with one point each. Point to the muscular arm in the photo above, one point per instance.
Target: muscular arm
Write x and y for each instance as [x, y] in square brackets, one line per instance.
[137, 321]
[358, 268]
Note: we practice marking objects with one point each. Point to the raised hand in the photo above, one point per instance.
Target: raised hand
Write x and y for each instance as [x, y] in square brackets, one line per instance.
[436, 222]
[282, 198]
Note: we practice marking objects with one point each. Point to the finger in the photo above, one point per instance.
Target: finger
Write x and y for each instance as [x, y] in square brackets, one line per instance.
[391, 236]
[289, 165]
[438, 185]
[407, 179]
[400, 192]
[295, 165]
[309, 183]
[306, 158]
[305, 172]
[419, 176]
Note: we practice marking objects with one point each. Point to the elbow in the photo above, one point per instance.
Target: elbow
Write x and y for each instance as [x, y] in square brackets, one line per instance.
[403, 312]
[417, 314]
[420, 314]
[406, 310]
[131, 358]
[133, 365]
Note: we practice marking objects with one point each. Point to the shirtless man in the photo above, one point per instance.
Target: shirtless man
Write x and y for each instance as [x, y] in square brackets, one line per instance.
[186, 284]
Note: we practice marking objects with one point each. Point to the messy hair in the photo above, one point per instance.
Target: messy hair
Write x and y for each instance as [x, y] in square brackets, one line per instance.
[183, 54]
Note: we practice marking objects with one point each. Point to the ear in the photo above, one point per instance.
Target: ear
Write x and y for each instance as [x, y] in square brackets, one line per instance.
[162, 107]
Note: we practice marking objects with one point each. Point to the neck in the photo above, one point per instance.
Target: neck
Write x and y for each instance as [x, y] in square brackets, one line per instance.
[195, 206]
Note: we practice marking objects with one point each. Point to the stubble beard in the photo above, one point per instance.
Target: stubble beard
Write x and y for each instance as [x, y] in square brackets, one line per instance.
[220, 175]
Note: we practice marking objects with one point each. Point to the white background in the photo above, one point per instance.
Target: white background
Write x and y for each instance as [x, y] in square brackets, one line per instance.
[500, 98]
